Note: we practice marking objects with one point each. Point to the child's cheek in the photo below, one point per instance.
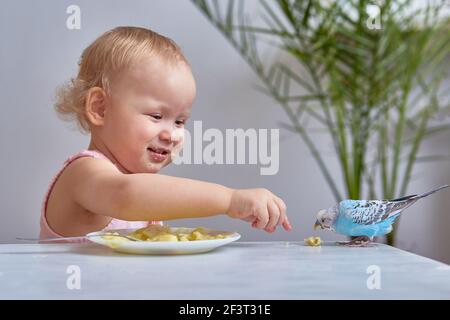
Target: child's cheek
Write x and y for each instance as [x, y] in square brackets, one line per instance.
[178, 138]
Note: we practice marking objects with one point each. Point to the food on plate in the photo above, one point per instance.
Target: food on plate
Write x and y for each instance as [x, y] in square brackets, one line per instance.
[167, 234]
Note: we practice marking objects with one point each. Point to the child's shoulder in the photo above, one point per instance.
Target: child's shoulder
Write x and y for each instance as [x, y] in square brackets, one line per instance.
[85, 167]
[62, 207]
[80, 173]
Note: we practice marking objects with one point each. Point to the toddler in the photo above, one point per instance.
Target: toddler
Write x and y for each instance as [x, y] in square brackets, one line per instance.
[133, 94]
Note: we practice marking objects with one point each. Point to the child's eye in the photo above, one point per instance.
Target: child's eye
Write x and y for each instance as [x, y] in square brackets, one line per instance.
[180, 122]
[155, 116]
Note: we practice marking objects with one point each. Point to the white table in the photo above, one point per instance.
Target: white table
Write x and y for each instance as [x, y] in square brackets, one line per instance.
[241, 270]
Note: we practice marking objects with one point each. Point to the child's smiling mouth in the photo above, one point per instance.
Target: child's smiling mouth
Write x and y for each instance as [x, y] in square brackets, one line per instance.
[158, 154]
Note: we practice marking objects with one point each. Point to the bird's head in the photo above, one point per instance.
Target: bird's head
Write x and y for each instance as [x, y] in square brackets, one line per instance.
[326, 218]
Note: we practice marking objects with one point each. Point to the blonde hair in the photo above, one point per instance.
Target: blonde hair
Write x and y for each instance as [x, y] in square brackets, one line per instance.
[109, 54]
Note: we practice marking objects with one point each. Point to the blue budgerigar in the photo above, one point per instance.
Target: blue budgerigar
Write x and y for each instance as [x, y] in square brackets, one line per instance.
[365, 219]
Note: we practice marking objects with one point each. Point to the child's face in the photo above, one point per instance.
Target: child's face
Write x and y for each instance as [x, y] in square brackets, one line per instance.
[146, 112]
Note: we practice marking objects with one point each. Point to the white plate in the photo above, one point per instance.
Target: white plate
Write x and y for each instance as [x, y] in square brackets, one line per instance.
[163, 247]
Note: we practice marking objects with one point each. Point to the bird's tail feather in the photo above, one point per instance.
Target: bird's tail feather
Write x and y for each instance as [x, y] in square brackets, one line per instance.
[423, 195]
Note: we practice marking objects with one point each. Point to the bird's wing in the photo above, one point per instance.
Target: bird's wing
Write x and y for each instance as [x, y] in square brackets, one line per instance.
[375, 211]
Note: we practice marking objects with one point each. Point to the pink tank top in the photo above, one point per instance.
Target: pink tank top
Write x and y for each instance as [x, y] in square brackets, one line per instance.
[46, 230]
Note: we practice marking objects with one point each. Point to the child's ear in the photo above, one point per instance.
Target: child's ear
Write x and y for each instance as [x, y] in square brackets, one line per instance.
[95, 106]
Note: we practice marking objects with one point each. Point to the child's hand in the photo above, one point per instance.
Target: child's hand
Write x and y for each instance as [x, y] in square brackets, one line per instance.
[260, 207]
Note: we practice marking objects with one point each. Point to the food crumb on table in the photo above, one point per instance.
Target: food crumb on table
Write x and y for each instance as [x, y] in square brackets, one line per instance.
[313, 241]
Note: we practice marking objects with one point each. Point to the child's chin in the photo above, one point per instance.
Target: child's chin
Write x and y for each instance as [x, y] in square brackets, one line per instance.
[156, 167]
[153, 169]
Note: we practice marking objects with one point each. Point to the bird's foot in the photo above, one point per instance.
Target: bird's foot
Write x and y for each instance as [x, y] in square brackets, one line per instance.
[361, 241]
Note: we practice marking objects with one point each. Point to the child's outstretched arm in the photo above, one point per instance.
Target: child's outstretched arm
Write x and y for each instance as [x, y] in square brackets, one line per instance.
[101, 189]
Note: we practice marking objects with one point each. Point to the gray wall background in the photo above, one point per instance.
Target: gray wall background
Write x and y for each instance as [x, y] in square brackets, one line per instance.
[38, 53]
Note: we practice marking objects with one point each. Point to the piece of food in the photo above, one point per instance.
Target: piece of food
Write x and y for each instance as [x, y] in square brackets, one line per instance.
[113, 239]
[313, 241]
[165, 237]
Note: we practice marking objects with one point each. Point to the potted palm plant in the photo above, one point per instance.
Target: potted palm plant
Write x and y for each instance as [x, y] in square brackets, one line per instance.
[370, 74]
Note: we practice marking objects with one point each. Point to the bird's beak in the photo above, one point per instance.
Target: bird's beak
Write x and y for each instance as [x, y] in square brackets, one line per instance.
[317, 225]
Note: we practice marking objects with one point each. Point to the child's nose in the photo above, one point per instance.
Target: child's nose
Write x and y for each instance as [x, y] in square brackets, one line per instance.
[166, 135]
